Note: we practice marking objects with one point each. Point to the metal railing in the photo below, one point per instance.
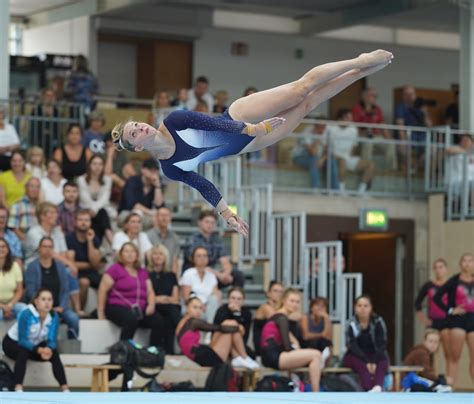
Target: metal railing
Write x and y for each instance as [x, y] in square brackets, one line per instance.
[255, 206]
[460, 195]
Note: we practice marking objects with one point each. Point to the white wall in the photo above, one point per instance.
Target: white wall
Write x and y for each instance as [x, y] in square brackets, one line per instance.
[271, 62]
[66, 37]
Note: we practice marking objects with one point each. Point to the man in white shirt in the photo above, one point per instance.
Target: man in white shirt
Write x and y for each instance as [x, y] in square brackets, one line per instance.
[9, 141]
[344, 139]
[200, 92]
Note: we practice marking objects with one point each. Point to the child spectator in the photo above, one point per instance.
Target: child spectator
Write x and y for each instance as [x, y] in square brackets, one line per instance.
[52, 185]
[94, 135]
[35, 162]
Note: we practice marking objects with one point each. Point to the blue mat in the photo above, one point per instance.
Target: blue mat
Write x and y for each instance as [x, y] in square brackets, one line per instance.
[234, 398]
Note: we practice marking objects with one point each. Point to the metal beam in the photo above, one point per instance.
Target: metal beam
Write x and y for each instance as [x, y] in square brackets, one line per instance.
[353, 16]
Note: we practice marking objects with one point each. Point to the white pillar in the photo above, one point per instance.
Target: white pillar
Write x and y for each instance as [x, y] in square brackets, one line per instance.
[466, 69]
[4, 51]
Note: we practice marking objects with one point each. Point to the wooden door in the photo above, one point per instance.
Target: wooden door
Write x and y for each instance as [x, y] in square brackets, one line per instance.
[346, 98]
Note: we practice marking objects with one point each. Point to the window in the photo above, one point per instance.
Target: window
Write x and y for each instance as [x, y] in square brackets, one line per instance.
[15, 39]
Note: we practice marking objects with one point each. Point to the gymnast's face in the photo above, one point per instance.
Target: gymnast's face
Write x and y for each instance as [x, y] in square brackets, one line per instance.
[138, 135]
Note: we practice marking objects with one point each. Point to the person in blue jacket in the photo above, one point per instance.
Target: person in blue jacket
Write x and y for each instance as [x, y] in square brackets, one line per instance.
[34, 336]
[186, 139]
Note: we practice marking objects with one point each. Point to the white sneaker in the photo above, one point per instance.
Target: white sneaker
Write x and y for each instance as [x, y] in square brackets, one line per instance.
[239, 362]
[251, 364]
[375, 389]
[324, 357]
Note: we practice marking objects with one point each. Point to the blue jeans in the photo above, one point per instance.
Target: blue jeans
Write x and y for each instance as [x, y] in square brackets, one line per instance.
[311, 163]
[71, 319]
[17, 307]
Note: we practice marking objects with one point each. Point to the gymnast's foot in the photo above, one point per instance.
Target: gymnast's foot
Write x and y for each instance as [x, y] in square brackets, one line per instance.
[375, 58]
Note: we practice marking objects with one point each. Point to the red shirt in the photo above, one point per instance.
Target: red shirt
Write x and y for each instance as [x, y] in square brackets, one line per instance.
[360, 114]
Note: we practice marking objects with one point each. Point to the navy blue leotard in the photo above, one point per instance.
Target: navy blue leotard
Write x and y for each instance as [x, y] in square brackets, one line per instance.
[200, 138]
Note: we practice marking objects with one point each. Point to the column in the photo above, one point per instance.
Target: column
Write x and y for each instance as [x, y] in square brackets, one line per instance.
[4, 51]
[466, 68]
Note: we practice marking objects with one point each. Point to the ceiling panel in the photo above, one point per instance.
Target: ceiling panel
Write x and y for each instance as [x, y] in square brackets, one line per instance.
[26, 7]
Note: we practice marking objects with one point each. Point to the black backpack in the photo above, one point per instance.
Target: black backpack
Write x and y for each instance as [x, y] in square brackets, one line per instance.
[222, 378]
[340, 383]
[6, 377]
[275, 383]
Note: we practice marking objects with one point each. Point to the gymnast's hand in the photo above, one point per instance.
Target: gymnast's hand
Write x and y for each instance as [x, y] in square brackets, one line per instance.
[239, 225]
[265, 127]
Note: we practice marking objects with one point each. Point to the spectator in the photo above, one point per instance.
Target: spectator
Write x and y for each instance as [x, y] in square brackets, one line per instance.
[235, 310]
[208, 238]
[35, 336]
[343, 140]
[222, 97]
[250, 90]
[181, 99]
[367, 111]
[127, 299]
[94, 194]
[44, 128]
[311, 152]
[13, 181]
[117, 164]
[266, 310]
[200, 92]
[73, 156]
[94, 136]
[142, 192]
[9, 141]
[281, 350]
[366, 337]
[10, 237]
[52, 185]
[451, 115]
[69, 207]
[23, 213]
[226, 341]
[87, 257]
[35, 162]
[165, 286]
[47, 272]
[11, 284]
[465, 150]
[422, 355]
[201, 107]
[460, 311]
[316, 326]
[132, 233]
[162, 234]
[201, 282]
[160, 109]
[411, 112]
[81, 85]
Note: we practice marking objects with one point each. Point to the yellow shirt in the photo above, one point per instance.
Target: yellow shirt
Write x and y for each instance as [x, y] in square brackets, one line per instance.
[8, 282]
[13, 189]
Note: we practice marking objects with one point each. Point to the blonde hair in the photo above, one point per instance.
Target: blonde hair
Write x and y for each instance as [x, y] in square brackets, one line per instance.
[286, 293]
[32, 150]
[164, 251]
[117, 134]
[430, 331]
[44, 207]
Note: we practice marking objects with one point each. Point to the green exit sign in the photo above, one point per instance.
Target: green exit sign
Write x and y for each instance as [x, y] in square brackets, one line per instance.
[373, 219]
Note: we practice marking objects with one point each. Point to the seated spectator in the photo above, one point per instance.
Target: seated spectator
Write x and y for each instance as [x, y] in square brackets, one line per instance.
[127, 299]
[13, 181]
[52, 185]
[81, 84]
[201, 107]
[47, 272]
[94, 194]
[222, 97]
[9, 141]
[367, 111]
[165, 286]
[73, 156]
[411, 112]
[200, 92]
[162, 234]
[202, 282]
[311, 153]
[316, 326]
[266, 310]
[160, 109]
[35, 162]
[142, 192]
[117, 164]
[235, 310]
[23, 213]
[181, 99]
[227, 340]
[366, 337]
[208, 238]
[451, 115]
[87, 257]
[11, 284]
[279, 347]
[343, 140]
[10, 237]
[93, 138]
[35, 336]
[44, 128]
[132, 232]
[423, 355]
[68, 208]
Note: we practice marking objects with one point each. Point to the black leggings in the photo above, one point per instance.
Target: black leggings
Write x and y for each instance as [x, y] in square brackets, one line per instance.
[171, 315]
[101, 223]
[21, 355]
[128, 322]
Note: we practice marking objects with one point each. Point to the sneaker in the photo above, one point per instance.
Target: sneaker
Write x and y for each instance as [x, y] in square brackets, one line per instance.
[251, 364]
[375, 389]
[325, 354]
[239, 362]
[443, 388]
